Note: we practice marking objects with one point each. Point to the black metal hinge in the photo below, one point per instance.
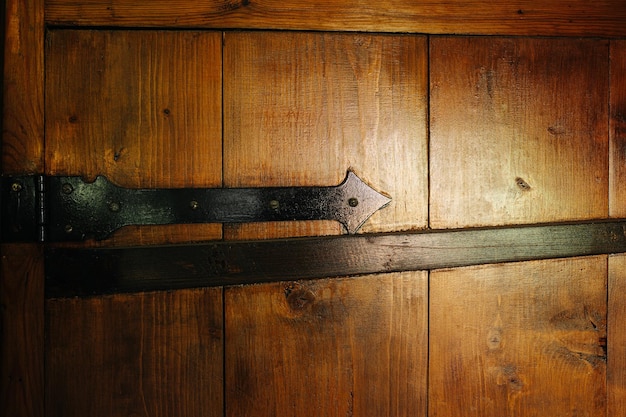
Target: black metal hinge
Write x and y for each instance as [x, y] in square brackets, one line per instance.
[67, 208]
[23, 209]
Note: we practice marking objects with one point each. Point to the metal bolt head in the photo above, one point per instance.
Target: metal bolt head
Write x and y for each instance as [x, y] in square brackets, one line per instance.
[114, 206]
[274, 204]
[353, 202]
[67, 188]
[194, 205]
[69, 228]
[16, 187]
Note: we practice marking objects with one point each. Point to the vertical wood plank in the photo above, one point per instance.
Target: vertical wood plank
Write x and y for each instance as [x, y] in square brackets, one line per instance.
[330, 348]
[616, 365]
[140, 107]
[616, 343]
[518, 130]
[302, 108]
[152, 354]
[144, 109]
[23, 84]
[21, 265]
[22, 330]
[519, 339]
[617, 130]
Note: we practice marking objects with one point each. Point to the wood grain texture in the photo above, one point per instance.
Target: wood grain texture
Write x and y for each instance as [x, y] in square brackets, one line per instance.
[302, 108]
[517, 135]
[519, 339]
[21, 265]
[329, 348]
[616, 342]
[142, 108]
[22, 330]
[617, 130]
[150, 354]
[23, 85]
[533, 17]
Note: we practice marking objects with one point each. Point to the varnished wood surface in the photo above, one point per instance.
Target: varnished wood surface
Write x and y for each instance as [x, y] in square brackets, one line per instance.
[22, 330]
[72, 272]
[301, 108]
[535, 17]
[141, 108]
[23, 84]
[616, 341]
[21, 266]
[144, 109]
[329, 348]
[517, 135]
[519, 339]
[617, 129]
[158, 354]
[539, 102]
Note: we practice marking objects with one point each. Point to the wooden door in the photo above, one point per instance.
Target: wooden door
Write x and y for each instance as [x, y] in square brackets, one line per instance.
[461, 131]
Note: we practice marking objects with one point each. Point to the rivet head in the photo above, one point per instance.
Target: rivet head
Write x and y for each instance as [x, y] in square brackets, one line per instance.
[274, 204]
[67, 188]
[16, 187]
[114, 206]
[353, 202]
[194, 205]
[69, 228]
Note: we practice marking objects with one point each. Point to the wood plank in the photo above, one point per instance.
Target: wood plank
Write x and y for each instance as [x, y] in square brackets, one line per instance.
[22, 108]
[616, 343]
[92, 271]
[519, 339]
[302, 108]
[617, 130]
[140, 354]
[22, 265]
[557, 17]
[616, 365]
[329, 348]
[22, 330]
[525, 134]
[142, 108]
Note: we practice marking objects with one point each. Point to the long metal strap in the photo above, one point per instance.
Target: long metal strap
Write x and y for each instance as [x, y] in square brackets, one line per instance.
[97, 271]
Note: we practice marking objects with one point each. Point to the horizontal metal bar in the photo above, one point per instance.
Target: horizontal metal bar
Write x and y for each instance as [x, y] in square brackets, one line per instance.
[68, 208]
[97, 271]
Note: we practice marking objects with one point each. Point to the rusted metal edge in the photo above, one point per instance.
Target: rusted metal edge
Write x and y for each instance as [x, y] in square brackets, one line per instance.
[81, 272]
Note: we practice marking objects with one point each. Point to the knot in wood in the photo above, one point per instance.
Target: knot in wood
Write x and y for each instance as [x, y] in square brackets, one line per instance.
[299, 298]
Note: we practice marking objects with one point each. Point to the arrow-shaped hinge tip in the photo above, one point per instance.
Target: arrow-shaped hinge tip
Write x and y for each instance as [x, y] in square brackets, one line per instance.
[356, 202]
